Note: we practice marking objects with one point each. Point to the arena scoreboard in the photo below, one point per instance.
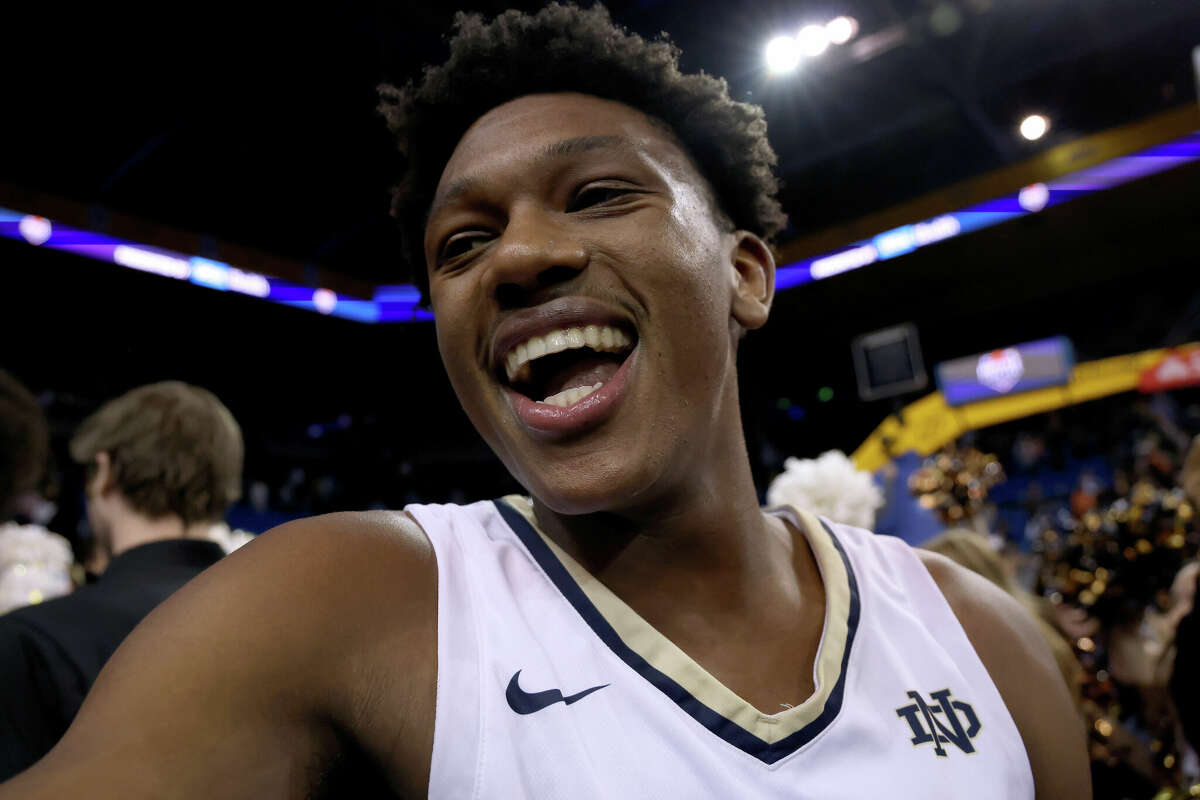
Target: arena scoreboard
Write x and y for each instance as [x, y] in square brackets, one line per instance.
[1008, 370]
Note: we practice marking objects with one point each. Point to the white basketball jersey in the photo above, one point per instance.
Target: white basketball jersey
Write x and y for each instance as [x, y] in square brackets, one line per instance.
[549, 686]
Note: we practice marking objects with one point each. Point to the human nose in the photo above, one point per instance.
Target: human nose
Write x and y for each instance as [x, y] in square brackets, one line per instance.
[535, 252]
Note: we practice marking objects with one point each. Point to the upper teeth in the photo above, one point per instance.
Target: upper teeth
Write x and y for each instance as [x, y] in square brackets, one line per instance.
[603, 338]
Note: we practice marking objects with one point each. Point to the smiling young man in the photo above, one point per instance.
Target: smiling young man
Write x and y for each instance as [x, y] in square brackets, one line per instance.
[594, 228]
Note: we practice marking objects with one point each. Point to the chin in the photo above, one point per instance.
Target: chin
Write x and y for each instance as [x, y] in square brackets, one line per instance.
[575, 504]
[574, 492]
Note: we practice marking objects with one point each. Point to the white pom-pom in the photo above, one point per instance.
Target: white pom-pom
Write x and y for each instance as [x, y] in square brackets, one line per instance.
[830, 486]
[35, 565]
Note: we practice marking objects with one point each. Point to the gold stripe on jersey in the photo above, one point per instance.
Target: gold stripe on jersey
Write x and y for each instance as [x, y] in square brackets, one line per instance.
[641, 637]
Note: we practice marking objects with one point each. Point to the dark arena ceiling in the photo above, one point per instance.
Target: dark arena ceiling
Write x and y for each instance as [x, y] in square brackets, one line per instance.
[255, 124]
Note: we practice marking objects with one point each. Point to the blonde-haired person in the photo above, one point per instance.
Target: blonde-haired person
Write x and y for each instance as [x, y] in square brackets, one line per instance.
[973, 551]
[163, 463]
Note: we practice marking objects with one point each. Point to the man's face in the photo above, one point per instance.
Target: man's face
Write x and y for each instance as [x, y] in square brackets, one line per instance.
[574, 257]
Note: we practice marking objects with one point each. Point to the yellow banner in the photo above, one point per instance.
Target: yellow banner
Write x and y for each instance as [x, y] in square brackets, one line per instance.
[929, 424]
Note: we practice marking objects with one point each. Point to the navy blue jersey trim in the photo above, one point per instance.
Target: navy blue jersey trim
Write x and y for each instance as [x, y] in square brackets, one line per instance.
[727, 729]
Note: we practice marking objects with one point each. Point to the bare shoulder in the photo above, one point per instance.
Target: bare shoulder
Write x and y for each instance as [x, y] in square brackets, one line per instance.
[331, 576]
[345, 535]
[1020, 663]
[256, 674]
[368, 583]
[326, 551]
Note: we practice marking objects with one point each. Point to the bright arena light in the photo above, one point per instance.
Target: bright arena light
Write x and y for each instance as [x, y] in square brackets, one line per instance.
[812, 40]
[783, 54]
[841, 29]
[1034, 127]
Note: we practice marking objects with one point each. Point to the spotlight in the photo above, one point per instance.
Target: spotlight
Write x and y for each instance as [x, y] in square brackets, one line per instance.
[841, 29]
[812, 40]
[1034, 127]
[783, 54]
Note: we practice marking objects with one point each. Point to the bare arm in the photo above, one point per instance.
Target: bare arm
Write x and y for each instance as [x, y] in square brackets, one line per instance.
[245, 682]
[1021, 665]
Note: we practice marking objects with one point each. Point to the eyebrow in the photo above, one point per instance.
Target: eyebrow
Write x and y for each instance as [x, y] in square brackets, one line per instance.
[564, 148]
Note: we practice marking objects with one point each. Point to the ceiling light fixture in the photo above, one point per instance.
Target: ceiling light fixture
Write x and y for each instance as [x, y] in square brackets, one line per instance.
[1034, 127]
[841, 29]
[782, 54]
[812, 40]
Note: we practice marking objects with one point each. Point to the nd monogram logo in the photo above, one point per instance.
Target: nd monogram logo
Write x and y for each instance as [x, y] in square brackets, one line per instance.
[938, 722]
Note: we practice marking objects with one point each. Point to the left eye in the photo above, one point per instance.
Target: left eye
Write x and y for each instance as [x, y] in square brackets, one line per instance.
[463, 243]
[597, 195]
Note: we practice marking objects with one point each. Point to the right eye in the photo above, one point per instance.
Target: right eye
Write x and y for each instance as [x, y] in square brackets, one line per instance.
[463, 243]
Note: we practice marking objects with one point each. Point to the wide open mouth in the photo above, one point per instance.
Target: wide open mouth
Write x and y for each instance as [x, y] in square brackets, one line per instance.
[561, 367]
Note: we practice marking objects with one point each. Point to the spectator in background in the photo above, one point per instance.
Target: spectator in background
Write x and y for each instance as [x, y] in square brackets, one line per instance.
[902, 514]
[1184, 683]
[1190, 476]
[971, 550]
[24, 443]
[163, 462]
[34, 563]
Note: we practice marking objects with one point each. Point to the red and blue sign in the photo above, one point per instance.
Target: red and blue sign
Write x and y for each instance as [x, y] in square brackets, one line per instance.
[1009, 370]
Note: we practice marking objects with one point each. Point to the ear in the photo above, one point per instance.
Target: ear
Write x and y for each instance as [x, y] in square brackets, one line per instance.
[753, 274]
[102, 476]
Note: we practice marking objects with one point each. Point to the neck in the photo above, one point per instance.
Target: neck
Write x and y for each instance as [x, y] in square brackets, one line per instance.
[703, 528]
[135, 529]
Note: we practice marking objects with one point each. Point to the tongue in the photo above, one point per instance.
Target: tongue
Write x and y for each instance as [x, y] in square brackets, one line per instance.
[585, 371]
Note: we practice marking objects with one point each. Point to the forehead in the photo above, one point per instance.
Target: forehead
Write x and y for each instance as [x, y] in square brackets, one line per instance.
[521, 132]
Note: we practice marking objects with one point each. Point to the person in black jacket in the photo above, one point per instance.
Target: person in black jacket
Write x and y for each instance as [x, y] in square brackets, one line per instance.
[163, 464]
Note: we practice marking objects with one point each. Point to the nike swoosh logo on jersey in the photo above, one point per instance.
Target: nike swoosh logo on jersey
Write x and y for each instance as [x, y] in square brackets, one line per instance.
[524, 702]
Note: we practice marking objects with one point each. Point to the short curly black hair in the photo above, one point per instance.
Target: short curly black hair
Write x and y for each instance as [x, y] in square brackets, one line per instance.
[565, 48]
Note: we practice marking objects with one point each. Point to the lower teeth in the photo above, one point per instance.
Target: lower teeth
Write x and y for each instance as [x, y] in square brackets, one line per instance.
[570, 397]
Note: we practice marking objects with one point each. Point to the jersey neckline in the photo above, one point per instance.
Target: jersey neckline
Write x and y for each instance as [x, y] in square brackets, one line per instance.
[767, 737]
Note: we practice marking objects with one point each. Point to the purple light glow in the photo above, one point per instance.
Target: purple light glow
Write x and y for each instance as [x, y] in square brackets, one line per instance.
[400, 303]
